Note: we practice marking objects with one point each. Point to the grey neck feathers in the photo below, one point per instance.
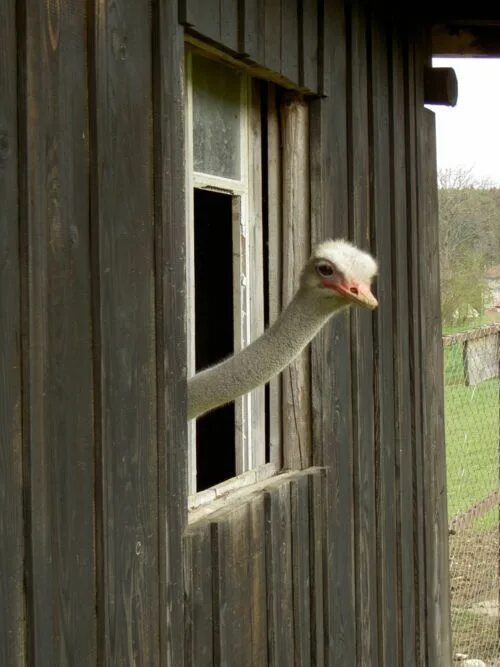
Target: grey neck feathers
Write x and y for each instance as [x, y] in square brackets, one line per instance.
[263, 359]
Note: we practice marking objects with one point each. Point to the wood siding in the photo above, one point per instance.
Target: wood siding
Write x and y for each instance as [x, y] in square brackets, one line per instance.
[343, 563]
[280, 36]
[255, 575]
[92, 361]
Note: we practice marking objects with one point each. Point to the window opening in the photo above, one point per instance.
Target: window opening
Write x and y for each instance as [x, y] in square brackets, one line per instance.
[214, 332]
[234, 264]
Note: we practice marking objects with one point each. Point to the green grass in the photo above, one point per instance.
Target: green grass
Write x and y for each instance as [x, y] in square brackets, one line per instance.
[453, 365]
[472, 448]
[482, 321]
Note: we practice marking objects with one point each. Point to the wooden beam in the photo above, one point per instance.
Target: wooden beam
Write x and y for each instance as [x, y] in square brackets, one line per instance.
[449, 39]
[12, 562]
[297, 441]
[440, 86]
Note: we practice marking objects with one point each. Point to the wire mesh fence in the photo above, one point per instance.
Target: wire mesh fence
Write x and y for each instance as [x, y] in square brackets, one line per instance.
[472, 409]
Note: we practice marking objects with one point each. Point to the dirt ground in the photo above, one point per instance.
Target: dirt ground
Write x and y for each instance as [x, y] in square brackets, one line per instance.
[475, 591]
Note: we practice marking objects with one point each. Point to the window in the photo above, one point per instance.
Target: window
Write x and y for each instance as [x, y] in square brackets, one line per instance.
[235, 264]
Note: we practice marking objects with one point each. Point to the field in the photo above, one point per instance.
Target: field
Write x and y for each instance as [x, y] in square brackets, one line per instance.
[472, 453]
[482, 321]
[473, 457]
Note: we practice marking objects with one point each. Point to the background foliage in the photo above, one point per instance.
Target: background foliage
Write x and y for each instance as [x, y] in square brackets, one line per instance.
[469, 236]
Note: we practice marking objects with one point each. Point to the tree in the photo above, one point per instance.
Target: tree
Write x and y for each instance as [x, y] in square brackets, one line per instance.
[469, 237]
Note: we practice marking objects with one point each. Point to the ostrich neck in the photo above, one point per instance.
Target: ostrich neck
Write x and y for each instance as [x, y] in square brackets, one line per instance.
[261, 360]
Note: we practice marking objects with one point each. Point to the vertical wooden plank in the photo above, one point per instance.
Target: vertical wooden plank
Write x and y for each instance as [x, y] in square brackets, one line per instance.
[308, 44]
[240, 626]
[299, 497]
[229, 24]
[204, 16]
[317, 542]
[296, 234]
[290, 39]
[199, 604]
[331, 350]
[170, 256]
[124, 236]
[388, 627]
[57, 347]
[401, 323]
[436, 514]
[278, 546]
[12, 625]
[274, 234]
[255, 240]
[258, 581]
[362, 351]
[412, 85]
[272, 35]
[252, 35]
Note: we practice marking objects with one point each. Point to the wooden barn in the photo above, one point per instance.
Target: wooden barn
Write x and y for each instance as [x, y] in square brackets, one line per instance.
[165, 168]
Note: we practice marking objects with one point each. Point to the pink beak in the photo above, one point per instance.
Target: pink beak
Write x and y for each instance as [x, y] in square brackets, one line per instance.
[358, 293]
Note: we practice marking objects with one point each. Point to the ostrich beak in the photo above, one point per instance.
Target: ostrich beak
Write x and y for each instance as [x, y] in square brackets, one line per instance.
[358, 293]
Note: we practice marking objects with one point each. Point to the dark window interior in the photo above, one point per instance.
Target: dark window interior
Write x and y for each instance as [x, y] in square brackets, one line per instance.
[214, 328]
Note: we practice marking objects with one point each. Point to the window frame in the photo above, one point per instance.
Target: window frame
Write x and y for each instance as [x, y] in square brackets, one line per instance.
[248, 299]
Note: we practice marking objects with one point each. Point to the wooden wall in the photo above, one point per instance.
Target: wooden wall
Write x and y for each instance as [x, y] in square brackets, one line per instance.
[341, 564]
[92, 360]
[283, 37]
[373, 153]
[255, 577]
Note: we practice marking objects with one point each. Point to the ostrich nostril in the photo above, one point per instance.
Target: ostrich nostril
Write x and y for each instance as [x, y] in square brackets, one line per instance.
[354, 290]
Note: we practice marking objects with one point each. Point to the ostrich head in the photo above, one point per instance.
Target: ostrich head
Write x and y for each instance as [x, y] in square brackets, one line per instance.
[341, 273]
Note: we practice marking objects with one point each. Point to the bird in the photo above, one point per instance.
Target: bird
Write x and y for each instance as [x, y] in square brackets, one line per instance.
[336, 276]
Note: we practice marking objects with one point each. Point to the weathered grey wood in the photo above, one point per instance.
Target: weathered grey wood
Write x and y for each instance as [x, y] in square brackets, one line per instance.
[238, 553]
[290, 39]
[301, 570]
[272, 35]
[170, 257]
[400, 286]
[342, 567]
[12, 626]
[229, 23]
[413, 96]
[252, 34]
[296, 246]
[308, 44]
[258, 581]
[217, 20]
[203, 16]
[255, 576]
[278, 546]
[362, 352]
[199, 620]
[57, 339]
[126, 410]
[435, 503]
[278, 39]
[274, 234]
[384, 398]
[256, 283]
[331, 350]
[318, 564]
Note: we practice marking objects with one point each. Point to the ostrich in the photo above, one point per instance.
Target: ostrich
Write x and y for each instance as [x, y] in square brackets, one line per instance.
[337, 275]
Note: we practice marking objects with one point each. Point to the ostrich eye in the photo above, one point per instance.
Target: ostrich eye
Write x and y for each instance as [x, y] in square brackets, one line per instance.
[325, 270]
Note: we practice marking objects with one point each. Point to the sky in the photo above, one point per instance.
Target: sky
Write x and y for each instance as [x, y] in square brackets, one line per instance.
[468, 135]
